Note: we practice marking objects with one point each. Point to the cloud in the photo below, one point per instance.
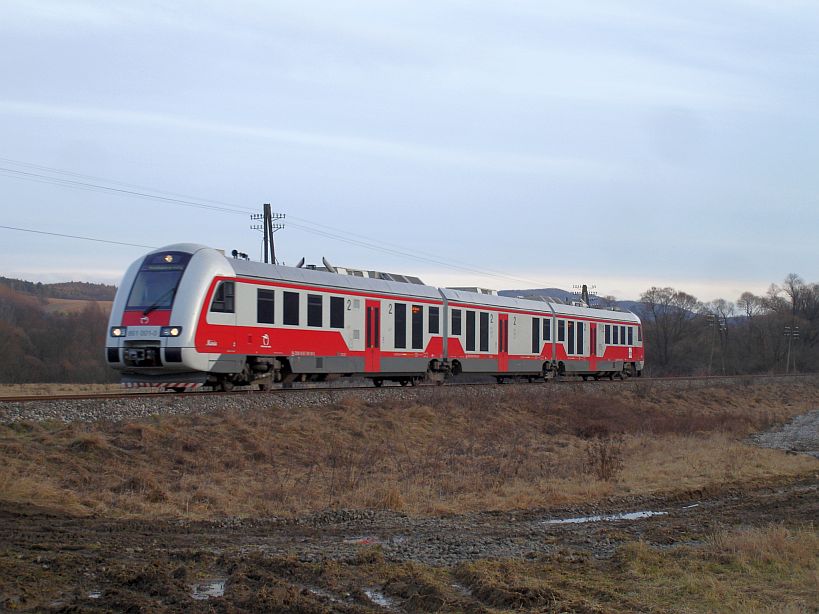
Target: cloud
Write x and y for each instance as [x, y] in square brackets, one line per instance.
[505, 162]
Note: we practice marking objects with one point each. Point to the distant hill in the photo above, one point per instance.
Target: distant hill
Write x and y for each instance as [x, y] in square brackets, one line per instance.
[568, 297]
[71, 290]
[48, 339]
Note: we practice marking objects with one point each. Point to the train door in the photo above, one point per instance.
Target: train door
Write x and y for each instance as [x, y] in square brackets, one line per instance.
[503, 342]
[592, 345]
[372, 350]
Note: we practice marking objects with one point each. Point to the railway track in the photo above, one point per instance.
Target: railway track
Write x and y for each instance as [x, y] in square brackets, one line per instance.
[319, 388]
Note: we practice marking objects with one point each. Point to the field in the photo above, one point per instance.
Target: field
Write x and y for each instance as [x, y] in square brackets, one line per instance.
[73, 306]
[436, 499]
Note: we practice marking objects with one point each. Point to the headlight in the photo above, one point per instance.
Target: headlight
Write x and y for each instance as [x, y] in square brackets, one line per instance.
[170, 331]
[118, 331]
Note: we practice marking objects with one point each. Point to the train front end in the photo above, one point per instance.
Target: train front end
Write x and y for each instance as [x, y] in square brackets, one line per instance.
[153, 320]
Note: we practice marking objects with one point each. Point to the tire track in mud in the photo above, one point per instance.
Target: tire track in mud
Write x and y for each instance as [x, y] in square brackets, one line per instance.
[375, 559]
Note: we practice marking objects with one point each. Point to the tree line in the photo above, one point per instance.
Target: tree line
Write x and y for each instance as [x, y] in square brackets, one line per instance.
[777, 332]
[772, 333]
[72, 290]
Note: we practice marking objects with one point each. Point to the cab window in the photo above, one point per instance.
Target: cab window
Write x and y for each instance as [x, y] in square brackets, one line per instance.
[223, 298]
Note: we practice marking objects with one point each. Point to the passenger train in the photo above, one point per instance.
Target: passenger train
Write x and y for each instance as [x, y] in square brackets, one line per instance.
[187, 315]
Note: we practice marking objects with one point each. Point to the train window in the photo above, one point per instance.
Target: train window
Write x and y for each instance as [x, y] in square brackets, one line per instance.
[265, 300]
[561, 330]
[223, 298]
[535, 335]
[639, 334]
[570, 326]
[581, 340]
[434, 321]
[400, 325]
[623, 335]
[484, 332]
[417, 327]
[315, 303]
[614, 339]
[547, 329]
[456, 321]
[470, 331]
[290, 303]
[608, 334]
[336, 312]
[631, 335]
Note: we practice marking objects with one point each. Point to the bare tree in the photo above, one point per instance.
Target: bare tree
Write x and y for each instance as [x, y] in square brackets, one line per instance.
[669, 313]
[794, 287]
[751, 304]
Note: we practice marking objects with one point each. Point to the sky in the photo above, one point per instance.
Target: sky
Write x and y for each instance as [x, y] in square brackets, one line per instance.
[518, 144]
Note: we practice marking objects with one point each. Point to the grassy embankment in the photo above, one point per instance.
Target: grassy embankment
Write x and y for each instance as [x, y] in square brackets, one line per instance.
[534, 447]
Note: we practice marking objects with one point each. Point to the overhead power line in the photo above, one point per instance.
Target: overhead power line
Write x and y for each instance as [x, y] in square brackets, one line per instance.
[71, 183]
[136, 189]
[37, 173]
[59, 234]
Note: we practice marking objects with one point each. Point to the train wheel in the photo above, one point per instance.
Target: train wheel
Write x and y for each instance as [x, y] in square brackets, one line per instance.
[404, 382]
[377, 382]
[225, 385]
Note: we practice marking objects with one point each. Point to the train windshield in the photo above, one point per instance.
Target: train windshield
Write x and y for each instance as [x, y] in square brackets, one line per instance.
[156, 283]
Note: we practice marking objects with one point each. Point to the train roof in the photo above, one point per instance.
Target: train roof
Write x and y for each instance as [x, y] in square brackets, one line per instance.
[261, 270]
[527, 304]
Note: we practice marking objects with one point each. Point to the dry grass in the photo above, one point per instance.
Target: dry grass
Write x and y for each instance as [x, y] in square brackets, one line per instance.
[20, 390]
[771, 569]
[527, 448]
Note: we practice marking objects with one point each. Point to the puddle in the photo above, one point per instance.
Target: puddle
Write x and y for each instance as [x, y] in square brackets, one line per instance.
[320, 592]
[380, 599]
[95, 595]
[624, 516]
[209, 589]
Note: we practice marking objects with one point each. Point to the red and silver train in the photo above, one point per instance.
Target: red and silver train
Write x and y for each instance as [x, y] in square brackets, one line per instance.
[187, 315]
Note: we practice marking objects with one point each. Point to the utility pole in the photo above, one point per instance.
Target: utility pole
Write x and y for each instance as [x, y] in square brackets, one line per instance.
[268, 228]
[717, 325]
[791, 332]
[586, 294]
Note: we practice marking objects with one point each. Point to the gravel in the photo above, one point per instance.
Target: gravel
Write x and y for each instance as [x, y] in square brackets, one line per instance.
[799, 435]
[170, 404]
[174, 404]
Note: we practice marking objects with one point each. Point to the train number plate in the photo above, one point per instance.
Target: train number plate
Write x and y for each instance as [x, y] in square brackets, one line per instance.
[142, 332]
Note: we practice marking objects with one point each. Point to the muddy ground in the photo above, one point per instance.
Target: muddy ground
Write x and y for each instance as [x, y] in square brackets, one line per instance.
[343, 561]
[359, 561]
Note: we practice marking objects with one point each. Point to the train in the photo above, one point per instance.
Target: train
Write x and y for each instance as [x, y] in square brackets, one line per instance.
[187, 316]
